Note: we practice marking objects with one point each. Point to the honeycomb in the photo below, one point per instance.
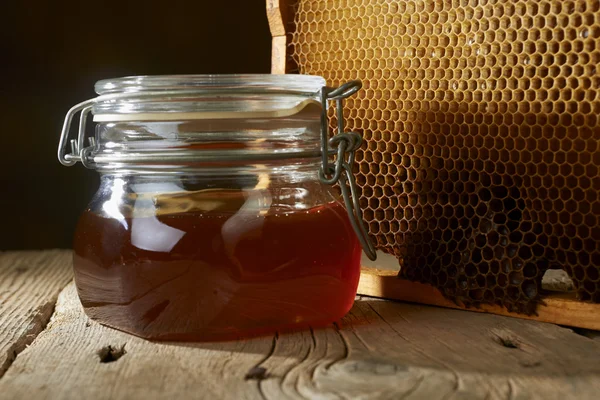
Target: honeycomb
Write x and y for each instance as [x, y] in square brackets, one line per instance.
[480, 166]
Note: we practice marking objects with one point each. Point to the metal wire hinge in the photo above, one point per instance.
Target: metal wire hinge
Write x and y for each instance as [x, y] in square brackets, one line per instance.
[78, 151]
[340, 171]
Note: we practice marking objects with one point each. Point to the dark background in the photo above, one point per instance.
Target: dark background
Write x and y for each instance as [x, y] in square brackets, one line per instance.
[52, 53]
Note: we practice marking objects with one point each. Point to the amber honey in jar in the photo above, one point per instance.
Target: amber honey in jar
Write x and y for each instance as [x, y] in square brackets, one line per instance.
[216, 217]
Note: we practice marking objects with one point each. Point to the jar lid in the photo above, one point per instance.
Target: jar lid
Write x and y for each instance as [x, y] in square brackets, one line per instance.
[180, 98]
[172, 97]
[265, 82]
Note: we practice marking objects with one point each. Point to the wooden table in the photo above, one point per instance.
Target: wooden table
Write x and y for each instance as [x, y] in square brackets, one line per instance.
[380, 350]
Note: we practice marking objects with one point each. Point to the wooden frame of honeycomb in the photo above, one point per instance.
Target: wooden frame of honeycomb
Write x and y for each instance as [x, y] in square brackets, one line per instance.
[481, 119]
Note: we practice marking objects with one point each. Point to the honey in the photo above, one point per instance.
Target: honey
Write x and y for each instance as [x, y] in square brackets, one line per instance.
[222, 211]
[217, 275]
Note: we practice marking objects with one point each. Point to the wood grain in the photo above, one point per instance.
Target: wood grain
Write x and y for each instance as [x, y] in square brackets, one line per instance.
[380, 350]
[29, 285]
[278, 55]
[277, 15]
[63, 362]
[559, 308]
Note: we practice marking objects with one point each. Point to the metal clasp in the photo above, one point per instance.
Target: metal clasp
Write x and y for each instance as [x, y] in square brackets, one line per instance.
[78, 151]
[340, 171]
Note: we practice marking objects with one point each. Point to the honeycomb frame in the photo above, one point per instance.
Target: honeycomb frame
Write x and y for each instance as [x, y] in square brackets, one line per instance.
[481, 119]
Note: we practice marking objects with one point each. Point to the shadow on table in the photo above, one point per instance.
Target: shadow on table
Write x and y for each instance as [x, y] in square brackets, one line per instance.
[386, 333]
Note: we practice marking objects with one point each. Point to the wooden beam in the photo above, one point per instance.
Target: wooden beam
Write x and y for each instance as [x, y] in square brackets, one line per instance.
[559, 308]
[29, 285]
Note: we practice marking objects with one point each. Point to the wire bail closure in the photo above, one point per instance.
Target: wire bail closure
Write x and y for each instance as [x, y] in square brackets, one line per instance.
[78, 151]
[340, 171]
[343, 145]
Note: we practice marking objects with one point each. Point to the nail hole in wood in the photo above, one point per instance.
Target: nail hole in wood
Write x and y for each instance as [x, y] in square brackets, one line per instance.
[508, 343]
[257, 373]
[108, 354]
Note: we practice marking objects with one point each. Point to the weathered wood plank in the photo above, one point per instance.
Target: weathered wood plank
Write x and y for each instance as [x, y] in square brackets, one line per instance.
[29, 285]
[381, 349]
[63, 362]
[559, 308]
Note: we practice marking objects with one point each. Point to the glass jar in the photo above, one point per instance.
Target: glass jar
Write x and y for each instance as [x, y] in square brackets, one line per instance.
[216, 216]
